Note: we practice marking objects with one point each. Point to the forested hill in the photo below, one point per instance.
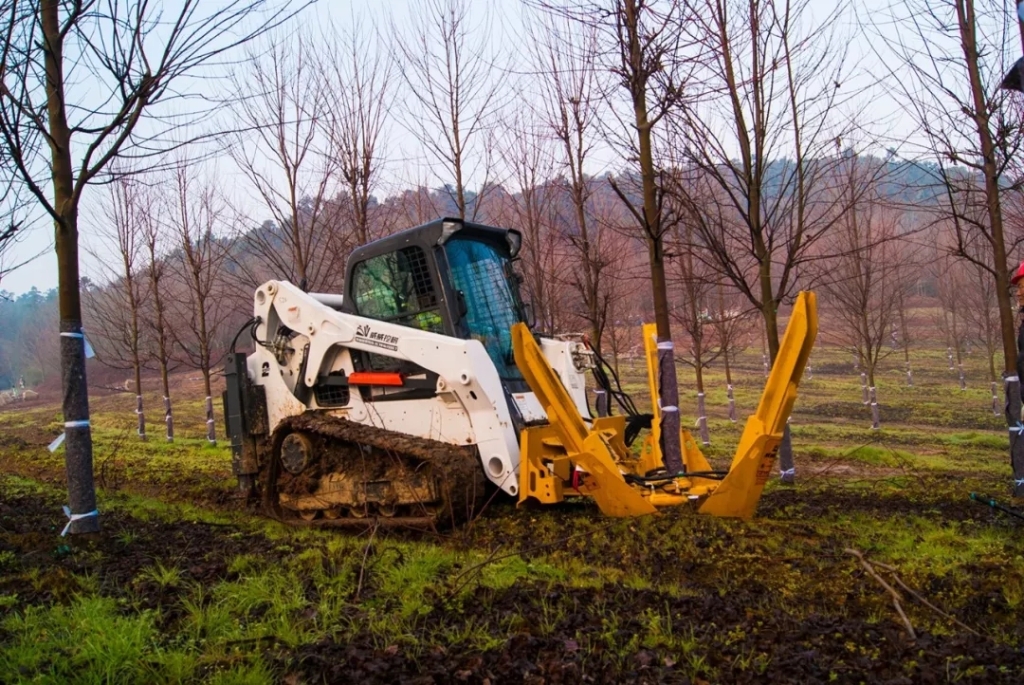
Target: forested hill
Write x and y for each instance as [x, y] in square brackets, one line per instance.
[28, 337]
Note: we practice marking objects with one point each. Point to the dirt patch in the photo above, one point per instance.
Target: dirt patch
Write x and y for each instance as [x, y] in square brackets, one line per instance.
[719, 613]
[44, 564]
[853, 410]
[724, 639]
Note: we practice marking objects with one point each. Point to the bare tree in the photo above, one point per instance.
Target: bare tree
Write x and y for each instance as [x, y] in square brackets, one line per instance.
[79, 78]
[280, 99]
[909, 260]
[358, 87]
[952, 284]
[570, 91]
[760, 145]
[118, 306]
[528, 157]
[694, 284]
[196, 212]
[642, 50]
[982, 318]
[732, 323]
[453, 81]
[949, 58]
[863, 276]
[160, 335]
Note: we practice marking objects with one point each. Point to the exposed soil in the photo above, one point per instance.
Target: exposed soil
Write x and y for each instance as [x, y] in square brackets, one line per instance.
[814, 649]
[777, 600]
[584, 629]
[127, 545]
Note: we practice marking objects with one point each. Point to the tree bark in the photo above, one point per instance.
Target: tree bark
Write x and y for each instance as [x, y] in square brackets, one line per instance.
[639, 72]
[905, 341]
[137, 366]
[1013, 406]
[204, 347]
[728, 387]
[78, 436]
[967, 19]
[155, 276]
[876, 420]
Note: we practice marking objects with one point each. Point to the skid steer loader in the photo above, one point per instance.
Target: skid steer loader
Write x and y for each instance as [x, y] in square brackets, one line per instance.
[410, 399]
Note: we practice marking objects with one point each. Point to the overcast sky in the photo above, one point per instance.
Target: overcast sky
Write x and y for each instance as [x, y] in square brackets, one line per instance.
[505, 22]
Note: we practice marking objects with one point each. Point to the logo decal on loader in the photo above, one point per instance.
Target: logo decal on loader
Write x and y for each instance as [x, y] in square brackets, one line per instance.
[366, 336]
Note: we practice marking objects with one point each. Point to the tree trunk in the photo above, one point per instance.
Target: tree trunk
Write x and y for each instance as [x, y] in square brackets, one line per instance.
[161, 339]
[764, 354]
[965, 14]
[668, 383]
[1013, 406]
[136, 361]
[168, 415]
[876, 422]
[211, 428]
[967, 19]
[906, 343]
[165, 379]
[787, 469]
[959, 351]
[138, 401]
[728, 390]
[78, 436]
[204, 352]
[667, 380]
[702, 412]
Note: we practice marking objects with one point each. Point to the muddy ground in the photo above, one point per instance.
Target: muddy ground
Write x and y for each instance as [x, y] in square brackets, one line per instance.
[836, 624]
[554, 595]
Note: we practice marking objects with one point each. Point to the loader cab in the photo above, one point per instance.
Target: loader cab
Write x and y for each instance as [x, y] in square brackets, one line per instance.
[450, 276]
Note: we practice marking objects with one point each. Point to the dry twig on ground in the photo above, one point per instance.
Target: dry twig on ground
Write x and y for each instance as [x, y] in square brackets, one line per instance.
[924, 601]
[881, 581]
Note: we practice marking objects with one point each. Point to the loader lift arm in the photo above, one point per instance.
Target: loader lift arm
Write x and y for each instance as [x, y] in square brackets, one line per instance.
[598, 464]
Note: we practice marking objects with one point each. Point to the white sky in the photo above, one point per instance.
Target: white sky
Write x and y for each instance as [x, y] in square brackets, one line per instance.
[504, 19]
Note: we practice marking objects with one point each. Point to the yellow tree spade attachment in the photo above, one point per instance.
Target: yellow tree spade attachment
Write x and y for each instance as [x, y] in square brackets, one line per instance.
[594, 461]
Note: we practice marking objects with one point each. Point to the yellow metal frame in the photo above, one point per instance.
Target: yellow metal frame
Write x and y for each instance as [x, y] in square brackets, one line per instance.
[549, 455]
[739, 493]
[588, 450]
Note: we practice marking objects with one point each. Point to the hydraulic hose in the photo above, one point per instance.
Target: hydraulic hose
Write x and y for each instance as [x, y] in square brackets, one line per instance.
[985, 499]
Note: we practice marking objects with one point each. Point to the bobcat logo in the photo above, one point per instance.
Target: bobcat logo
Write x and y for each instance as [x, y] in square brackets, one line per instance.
[363, 331]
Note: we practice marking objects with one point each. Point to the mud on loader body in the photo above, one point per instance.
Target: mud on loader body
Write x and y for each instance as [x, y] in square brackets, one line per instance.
[410, 399]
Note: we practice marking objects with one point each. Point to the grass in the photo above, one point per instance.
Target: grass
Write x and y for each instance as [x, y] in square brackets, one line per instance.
[610, 592]
[87, 641]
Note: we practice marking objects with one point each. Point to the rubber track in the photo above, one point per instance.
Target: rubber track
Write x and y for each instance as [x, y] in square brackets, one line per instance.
[462, 479]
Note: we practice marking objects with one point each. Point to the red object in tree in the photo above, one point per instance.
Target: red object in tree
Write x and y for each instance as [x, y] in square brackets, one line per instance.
[1018, 274]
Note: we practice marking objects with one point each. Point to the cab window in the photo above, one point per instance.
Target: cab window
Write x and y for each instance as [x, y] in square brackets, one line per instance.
[397, 287]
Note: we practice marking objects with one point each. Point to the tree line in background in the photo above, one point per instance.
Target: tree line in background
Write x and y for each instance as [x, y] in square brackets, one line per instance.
[181, 270]
[743, 146]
